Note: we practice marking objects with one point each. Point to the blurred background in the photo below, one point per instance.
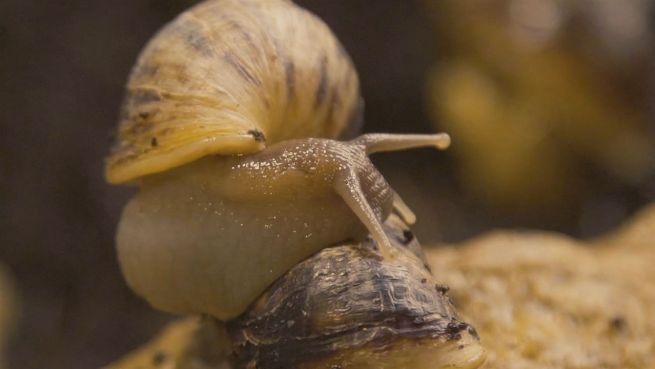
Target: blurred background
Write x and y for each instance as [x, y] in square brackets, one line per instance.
[551, 105]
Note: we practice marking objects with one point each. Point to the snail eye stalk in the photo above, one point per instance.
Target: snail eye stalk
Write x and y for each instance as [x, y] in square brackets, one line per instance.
[382, 142]
[347, 185]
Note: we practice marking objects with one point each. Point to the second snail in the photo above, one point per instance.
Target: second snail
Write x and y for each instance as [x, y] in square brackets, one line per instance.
[229, 128]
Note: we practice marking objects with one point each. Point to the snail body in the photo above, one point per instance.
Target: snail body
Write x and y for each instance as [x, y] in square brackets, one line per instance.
[247, 219]
[228, 127]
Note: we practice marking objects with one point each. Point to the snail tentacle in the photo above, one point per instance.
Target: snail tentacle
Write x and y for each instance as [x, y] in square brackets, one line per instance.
[348, 186]
[403, 210]
[380, 142]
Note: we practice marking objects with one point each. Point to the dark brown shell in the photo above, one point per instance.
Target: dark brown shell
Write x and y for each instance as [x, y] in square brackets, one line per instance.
[346, 299]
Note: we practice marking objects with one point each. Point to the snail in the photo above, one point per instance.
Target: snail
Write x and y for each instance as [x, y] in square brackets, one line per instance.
[344, 307]
[348, 307]
[229, 128]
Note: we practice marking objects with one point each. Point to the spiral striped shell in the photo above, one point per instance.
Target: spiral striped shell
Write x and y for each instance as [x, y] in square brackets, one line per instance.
[229, 77]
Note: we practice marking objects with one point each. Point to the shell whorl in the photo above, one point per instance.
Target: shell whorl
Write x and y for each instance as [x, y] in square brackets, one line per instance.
[229, 77]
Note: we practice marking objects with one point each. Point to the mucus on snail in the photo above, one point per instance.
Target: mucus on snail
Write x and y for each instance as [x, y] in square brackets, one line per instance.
[229, 128]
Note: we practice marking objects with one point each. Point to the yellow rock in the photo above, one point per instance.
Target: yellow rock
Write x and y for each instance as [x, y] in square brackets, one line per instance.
[190, 343]
[542, 300]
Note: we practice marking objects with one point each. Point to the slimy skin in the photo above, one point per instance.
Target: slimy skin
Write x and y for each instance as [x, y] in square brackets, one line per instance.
[210, 236]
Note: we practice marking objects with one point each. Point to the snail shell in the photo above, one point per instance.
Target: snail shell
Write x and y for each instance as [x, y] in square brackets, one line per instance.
[229, 77]
[347, 307]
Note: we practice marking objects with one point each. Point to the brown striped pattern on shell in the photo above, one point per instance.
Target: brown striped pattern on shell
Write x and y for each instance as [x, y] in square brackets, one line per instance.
[229, 77]
[344, 299]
